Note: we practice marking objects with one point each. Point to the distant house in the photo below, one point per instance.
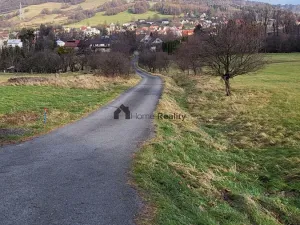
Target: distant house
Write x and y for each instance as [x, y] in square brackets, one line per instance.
[72, 44]
[10, 69]
[165, 22]
[156, 44]
[153, 28]
[147, 39]
[186, 33]
[14, 43]
[112, 27]
[67, 29]
[90, 31]
[157, 41]
[184, 21]
[130, 26]
[150, 22]
[60, 43]
[203, 16]
[101, 44]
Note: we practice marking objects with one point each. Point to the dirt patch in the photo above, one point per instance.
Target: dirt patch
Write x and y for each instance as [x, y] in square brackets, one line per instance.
[19, 118]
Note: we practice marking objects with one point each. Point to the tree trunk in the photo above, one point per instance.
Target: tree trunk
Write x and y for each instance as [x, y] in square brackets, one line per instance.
[226, 79]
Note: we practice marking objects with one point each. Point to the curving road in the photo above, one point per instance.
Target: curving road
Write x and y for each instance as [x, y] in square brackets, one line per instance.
[78, 174]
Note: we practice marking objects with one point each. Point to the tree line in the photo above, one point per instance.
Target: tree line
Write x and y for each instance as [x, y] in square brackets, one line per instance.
[40, 54]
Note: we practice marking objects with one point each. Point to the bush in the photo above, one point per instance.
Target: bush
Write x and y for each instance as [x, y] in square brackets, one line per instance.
[110, 64]
[154, 60]
[45, 11]
[45, 62]
[65, 6]
[56, 11]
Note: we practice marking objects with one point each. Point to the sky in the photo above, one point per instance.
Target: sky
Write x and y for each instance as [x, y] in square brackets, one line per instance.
[295, 2]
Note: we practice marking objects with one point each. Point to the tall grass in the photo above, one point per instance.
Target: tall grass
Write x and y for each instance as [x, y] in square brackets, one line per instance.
[235, 160]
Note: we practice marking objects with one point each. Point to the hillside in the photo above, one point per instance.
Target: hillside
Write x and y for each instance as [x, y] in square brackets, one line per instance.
[56, 12]
[95, 12]
[10, 5]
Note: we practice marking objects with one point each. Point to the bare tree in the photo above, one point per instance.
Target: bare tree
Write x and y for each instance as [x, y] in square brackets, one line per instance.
[234, 50]
[188, 58]
[110, 64]
[162, 61]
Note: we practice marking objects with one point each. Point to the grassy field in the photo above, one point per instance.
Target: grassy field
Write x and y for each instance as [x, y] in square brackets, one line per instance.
[67, 99]
[32, 15]
[33, 18]
[122, 17]
[235, 160]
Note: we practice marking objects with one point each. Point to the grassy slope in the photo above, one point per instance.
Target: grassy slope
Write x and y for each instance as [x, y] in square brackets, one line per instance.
[225, 164]
[122, 17]
[33, 17]
[67, 99]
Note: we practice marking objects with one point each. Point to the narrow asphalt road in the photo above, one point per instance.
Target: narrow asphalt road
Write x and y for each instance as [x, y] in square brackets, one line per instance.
[78, 174]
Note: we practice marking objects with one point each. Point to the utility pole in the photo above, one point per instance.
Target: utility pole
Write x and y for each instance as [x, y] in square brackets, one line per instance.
[21, 12]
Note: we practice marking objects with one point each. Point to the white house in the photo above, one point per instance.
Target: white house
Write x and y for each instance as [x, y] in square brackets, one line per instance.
[203, 16]
[90, 31]
[112, 27]
[14, 42]
[184, 21]
[60, 43]
[157, 41]
[146, 39]
[165, 22]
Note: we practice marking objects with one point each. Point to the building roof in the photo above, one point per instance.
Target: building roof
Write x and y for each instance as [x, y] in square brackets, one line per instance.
[14, 41]
[72, 43]
[101, 40]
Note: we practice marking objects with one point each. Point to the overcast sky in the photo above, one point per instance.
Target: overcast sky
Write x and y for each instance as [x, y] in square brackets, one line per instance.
[295, 2]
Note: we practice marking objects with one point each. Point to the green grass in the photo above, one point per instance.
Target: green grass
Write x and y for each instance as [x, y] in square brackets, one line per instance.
[122, 17]
[236, 160]
[22, 107]
[32, 16]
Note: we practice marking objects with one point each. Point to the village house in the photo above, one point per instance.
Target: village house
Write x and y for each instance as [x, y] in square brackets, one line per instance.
[184, 21]
[112, 27]
[14, 43]
[141, 21]
[152, 43]
[150, 22]
[165, 22]
[101, 44]
[147, 39]
[60, 43]
[156, 44]
[186, 33]
[203, 15]
[130, 26]
[90, 31]
[72, 44]
[154, 28]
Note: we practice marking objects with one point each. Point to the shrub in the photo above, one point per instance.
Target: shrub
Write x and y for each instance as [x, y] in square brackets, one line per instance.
[45, 11]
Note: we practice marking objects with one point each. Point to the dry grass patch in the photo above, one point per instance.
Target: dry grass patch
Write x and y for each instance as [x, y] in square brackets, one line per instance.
[88, 81]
